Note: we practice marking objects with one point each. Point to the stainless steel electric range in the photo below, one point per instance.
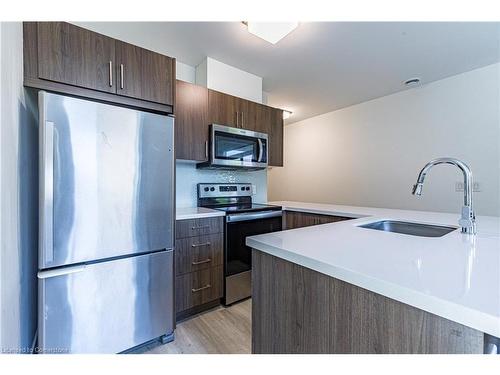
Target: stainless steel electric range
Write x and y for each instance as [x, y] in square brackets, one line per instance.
[243, 218]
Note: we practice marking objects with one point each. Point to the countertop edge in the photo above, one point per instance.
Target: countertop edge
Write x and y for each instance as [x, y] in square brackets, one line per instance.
[448, 310]
[193, 213]
[320, 211]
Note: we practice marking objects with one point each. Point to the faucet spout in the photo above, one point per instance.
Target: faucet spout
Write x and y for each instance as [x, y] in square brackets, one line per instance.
[417, 189]
[468, 219]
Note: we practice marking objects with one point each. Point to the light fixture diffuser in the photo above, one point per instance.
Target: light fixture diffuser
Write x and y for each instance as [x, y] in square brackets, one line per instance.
[272, 32]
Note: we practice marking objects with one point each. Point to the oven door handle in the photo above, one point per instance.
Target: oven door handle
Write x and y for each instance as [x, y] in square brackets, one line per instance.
[252, 216]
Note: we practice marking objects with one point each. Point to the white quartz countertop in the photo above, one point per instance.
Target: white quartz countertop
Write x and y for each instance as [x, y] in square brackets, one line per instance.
[183, 213]
[456, 276]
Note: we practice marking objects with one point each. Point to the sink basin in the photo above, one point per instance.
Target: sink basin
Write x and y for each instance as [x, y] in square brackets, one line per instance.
[413, 229]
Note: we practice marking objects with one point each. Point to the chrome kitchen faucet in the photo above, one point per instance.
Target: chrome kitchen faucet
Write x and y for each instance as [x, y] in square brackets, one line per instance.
[468, 219]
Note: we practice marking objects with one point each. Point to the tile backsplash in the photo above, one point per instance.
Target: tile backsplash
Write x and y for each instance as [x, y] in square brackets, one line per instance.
[187, 177]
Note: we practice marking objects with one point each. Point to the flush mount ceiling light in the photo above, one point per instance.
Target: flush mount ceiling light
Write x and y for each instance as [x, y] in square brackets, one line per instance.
[272, 32]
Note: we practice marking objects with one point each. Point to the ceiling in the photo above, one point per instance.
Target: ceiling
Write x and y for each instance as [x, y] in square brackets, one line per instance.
[324, 66]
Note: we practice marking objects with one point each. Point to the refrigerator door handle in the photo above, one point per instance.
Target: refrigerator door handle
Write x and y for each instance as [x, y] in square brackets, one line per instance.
[48, 192]
[61, 271]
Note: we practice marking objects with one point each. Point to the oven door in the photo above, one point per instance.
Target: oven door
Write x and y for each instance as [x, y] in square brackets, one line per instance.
[238, 256]
[233, 147]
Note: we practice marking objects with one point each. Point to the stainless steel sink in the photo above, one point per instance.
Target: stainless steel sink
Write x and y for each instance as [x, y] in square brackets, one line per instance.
[413, 229]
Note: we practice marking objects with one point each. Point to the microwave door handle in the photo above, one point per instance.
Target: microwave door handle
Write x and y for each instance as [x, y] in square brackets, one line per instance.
[261, 150]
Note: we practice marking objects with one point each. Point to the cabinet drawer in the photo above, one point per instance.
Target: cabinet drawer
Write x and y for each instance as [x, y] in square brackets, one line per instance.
[198, 227]
[197, 288]
[198, 253]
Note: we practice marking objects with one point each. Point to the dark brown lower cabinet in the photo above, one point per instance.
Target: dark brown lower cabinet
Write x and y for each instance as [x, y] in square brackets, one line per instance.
[295, 219]
[198, 227]
[199, 248]
[198, 253]
[298, 310]
[198, 288]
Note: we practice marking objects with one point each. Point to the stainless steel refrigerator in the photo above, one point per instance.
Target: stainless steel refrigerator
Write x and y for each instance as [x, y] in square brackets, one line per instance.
[106, 226]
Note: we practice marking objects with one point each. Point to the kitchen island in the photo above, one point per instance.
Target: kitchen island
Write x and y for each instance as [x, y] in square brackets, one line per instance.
[340, 288]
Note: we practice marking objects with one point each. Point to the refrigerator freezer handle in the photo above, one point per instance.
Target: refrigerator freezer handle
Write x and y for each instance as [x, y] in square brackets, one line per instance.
[48, 193]
[61, 271]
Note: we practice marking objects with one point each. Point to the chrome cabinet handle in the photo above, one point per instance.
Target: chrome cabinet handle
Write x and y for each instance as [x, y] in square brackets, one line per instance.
[237, 119]
[122, 83]
[208, 260]
[111, 74]
[206, 150]
[242, 122]
[194, 290]
[200, 244]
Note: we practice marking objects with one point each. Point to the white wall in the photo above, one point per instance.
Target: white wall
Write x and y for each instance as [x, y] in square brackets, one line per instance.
[185, 72]
[370, 154]
[226, 78]
[18, 197]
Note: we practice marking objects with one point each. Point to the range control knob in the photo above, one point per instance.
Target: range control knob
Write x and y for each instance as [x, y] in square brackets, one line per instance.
[206, 189]
[247, 188]
[242, 188]
[212, 189]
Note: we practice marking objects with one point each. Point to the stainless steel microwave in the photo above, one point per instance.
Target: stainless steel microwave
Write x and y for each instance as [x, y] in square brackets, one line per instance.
[234, 148]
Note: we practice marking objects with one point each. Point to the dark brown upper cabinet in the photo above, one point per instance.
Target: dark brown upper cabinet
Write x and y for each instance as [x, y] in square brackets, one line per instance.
[66, 58]
[191, 122]
[223, 109]
[75, 56]
[276, 138]
[230, 110]
[143, 74]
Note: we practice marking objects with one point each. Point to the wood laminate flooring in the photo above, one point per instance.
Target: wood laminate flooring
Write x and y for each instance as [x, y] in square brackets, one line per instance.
[218, 331]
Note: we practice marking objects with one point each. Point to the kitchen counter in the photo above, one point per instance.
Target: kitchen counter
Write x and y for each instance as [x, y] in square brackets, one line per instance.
[183, 213]
[456, 276]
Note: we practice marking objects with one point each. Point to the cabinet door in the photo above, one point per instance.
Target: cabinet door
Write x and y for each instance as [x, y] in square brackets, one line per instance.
[191, 122]
[295, 219]
[275, 131]
[223, 109]
[75, 56]
[264, 119]
[252, 116]
[143, 74]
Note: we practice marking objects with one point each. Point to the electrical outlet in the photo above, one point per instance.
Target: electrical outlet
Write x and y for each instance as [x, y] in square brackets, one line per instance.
[459, 186]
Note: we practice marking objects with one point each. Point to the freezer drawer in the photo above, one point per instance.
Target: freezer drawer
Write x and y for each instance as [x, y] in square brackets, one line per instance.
[106, 307]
